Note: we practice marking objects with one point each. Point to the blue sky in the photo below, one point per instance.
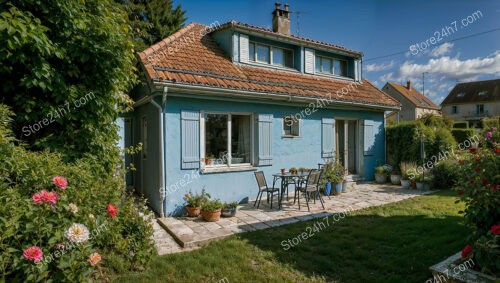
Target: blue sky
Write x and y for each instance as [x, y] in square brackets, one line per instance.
[383, 27]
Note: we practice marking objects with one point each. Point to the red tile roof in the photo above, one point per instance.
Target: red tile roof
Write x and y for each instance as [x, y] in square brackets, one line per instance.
[417, 98]
[191, 57]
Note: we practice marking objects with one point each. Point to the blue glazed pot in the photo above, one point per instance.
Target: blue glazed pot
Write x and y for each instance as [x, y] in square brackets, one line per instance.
[338, 188]
[328, 188]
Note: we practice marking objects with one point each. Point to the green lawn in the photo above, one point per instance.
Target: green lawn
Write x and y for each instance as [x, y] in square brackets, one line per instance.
[390, 243]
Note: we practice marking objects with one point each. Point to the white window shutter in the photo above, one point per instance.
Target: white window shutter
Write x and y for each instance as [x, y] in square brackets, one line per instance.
[327, 137]
[265, 139]
[190, 139]
[369, 137]
[309, 61]
[244, 48]
[356, 69]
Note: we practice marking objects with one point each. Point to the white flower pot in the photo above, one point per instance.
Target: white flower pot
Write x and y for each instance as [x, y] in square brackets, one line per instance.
[380, 178]
[395, 179]
[405, 183]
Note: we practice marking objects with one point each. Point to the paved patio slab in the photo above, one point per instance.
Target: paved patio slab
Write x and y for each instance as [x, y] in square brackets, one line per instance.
[193, 232]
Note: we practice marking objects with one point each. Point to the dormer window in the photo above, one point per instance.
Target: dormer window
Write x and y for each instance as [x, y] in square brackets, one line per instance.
[267, 54]
[461, 94]
[330, 66]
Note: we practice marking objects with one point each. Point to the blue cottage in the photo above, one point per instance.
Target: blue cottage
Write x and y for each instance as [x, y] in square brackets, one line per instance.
[219, 102]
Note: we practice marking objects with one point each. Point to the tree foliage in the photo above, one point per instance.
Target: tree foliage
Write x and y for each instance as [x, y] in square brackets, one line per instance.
[152, 20]
[66, 66]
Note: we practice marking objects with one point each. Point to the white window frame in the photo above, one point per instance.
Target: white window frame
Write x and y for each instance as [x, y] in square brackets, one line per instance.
[229, 135]
[253, 59]
[285, 135]
[332, 73]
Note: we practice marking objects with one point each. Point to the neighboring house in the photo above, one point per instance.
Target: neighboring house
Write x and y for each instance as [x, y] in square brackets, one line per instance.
[216, 106]
[473, 101]
[413, 103]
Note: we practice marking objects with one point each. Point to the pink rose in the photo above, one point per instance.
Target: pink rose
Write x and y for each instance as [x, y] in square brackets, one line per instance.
[50, 197]
[94, 259]
[488, 135]
[33, 253]
[467, 250]
[60, 182]
[37, 197]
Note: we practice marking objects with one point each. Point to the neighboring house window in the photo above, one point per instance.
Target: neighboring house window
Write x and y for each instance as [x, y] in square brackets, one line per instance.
[291, 126]
[454, 109]
[483, 93]
[227, 139]
[330, 66]
[266, 54]
[144, 137]
[480, 109]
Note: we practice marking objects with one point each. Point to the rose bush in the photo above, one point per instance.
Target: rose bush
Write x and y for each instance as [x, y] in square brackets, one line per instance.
[55, 221]
[478, 187]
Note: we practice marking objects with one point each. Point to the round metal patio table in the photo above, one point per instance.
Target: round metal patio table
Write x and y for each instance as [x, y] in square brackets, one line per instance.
[285, 180]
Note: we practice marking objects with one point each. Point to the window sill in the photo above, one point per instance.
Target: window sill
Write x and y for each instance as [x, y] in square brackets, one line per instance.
[290, 137]
[224, 169]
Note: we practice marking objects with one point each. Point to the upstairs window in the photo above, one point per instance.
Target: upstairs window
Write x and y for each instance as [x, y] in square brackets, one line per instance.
[331, 66]
[461, 94]
[480, 109]
[266, 54]
[454, 109]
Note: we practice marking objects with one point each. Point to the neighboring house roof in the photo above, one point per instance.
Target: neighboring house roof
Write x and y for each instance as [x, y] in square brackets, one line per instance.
[414, 96]
[189, 57]
[482, 91]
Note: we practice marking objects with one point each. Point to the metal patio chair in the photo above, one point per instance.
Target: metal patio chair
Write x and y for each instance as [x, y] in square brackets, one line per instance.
[263, 188]
[310, 186]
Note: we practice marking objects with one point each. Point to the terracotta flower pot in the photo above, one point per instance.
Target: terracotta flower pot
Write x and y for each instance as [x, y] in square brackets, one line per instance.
[193, 211]
[211, 216]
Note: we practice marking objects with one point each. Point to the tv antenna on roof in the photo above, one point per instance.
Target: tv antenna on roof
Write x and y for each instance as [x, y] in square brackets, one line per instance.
[298, 13]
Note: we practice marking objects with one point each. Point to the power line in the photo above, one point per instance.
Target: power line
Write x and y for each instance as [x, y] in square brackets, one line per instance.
[460, 38]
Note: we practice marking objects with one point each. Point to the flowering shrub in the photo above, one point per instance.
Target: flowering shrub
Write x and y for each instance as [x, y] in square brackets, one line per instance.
[478, 187]
[66, 222]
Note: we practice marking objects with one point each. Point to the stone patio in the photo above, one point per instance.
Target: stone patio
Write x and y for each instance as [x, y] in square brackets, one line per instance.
[190, 233]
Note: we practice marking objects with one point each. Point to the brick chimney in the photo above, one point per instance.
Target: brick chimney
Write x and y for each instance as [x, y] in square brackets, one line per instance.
[408, 85]
[281, 19]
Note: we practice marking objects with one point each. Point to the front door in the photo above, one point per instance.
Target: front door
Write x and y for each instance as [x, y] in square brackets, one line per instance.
[347, 141]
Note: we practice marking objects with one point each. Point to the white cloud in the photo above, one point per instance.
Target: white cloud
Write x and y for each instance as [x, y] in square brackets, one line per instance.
[452, 69]
[380, 67]
[442, 49]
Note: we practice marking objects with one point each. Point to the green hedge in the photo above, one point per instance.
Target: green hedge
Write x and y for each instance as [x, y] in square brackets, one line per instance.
[404, 141]
[461, 135]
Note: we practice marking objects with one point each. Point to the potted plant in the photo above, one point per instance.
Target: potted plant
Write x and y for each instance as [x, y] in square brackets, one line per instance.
[194, 202]
[395, 177]
[229, 209]
[293, 170]
[419, 180]
[380, 174]
[303, 169]
[211, 210]
[208, 159]
[406, 169]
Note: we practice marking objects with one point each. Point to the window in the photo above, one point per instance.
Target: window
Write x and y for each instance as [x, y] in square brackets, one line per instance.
[262, 54]
[227, 139]
[291, 126]
[330, 66]
[461, 94]
[270, 55]
[483, 93]
[480, 109]
[454, 109]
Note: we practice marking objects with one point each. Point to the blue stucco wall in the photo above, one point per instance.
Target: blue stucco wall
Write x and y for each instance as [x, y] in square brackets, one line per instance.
[304, 151]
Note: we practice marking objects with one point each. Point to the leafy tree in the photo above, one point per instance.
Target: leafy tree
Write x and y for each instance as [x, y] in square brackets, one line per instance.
[65, 68]
[152, 20]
